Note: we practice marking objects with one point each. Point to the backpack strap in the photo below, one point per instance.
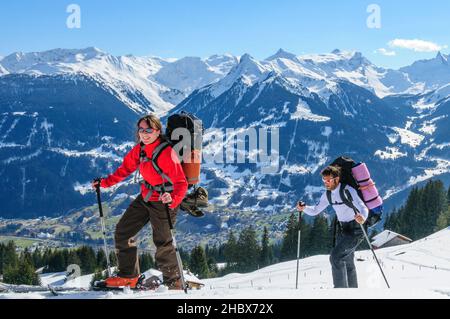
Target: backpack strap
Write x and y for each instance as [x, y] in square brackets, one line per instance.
[341, 194]
[349, 200]
[165, 186]
[346, 197]
[156, 153]
[329, 198]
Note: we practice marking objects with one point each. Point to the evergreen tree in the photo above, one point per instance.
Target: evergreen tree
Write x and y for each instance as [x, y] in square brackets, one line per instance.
[88, 260]
[425, 212]
[198, 264]
[276, 248]
[73, 258]
[23, 274]
[56, 262]
[289, 245]
[448, 196]
[443, 220]
[250, 251]
[9, 257]
[46, 258]
[146, 262]
[212, 267]
[65, 252]
[320, 237]
[215, 252]
[101, 259]
[266, 257]
[26, 256]
[231, 251]
[411, 218]
[112, 258]
[37, 259]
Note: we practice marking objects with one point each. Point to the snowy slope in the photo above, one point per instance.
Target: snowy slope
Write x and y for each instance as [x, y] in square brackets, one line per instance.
[190, 73]
[3, 71]
[418, 270]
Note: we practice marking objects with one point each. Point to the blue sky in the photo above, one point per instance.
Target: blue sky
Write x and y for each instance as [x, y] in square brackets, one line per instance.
[175, 28]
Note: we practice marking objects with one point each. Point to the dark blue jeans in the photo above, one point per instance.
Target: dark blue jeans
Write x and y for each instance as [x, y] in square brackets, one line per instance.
[342, 257]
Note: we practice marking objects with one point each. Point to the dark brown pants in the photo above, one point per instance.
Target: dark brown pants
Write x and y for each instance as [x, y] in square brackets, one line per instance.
[133, 220]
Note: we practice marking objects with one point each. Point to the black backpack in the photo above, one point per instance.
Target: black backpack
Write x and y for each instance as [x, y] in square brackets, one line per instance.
[187, 121]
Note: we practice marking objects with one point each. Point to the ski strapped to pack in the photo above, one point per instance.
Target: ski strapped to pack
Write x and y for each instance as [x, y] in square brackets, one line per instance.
[166, 186]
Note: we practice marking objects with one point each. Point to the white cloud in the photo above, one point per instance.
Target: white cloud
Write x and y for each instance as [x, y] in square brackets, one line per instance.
[416, 45]
[385, 52]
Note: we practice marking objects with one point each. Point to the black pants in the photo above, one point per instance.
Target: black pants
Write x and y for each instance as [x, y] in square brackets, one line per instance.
[342, 257]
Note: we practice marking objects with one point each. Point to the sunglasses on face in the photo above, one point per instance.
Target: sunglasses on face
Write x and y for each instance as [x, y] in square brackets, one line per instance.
[328, 180]
[146, 130]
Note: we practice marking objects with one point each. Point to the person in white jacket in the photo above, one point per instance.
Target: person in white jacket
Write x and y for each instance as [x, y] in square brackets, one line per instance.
[350, 234]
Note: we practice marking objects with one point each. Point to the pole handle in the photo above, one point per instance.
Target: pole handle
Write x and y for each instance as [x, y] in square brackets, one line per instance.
[100, 209]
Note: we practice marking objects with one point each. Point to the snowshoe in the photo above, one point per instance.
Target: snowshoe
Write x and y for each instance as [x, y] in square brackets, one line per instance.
[152, 283]
[119, 283]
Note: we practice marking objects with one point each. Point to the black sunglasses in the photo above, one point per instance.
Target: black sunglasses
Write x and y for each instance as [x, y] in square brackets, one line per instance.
[146, 130]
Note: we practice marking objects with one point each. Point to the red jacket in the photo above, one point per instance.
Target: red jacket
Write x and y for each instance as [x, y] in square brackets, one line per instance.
[167, 161]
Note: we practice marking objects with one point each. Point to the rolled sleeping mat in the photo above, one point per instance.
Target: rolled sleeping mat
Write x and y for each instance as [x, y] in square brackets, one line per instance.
[191, 166]
[367, 187]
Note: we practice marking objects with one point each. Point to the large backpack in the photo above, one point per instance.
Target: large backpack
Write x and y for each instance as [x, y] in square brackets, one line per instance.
[357, 176]
[189, 156]
[189, 151]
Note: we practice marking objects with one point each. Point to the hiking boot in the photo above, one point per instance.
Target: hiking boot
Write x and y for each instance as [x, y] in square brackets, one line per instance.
[120, 282]
[197, 198]
[191, 210]
[175, 285]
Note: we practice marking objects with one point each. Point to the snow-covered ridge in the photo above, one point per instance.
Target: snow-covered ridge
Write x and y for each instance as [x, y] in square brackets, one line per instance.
[162, 82]
[165, 82]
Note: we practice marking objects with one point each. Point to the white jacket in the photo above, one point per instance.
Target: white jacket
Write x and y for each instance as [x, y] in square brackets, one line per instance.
[343, 212]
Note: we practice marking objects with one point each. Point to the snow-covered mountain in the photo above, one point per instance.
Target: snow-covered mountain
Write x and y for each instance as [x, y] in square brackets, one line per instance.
[190, 73]
[145, 84]
[318, 70]
[3, 71]
[430, 74]
[415, 271]
[319, 120]
[324, 105]
[157, 84]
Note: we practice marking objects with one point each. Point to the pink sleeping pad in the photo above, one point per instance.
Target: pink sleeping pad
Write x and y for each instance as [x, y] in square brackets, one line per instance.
[367, 186]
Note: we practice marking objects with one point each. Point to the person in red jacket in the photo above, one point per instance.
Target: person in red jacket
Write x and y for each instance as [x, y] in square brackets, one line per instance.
[148, 206]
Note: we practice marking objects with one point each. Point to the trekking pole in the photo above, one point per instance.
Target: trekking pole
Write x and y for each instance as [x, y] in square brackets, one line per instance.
[174, 243]
[366, 237]
[102, 222]
[298, 248]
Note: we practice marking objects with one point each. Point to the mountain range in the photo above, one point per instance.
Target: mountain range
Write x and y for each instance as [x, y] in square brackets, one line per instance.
[67, 116]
